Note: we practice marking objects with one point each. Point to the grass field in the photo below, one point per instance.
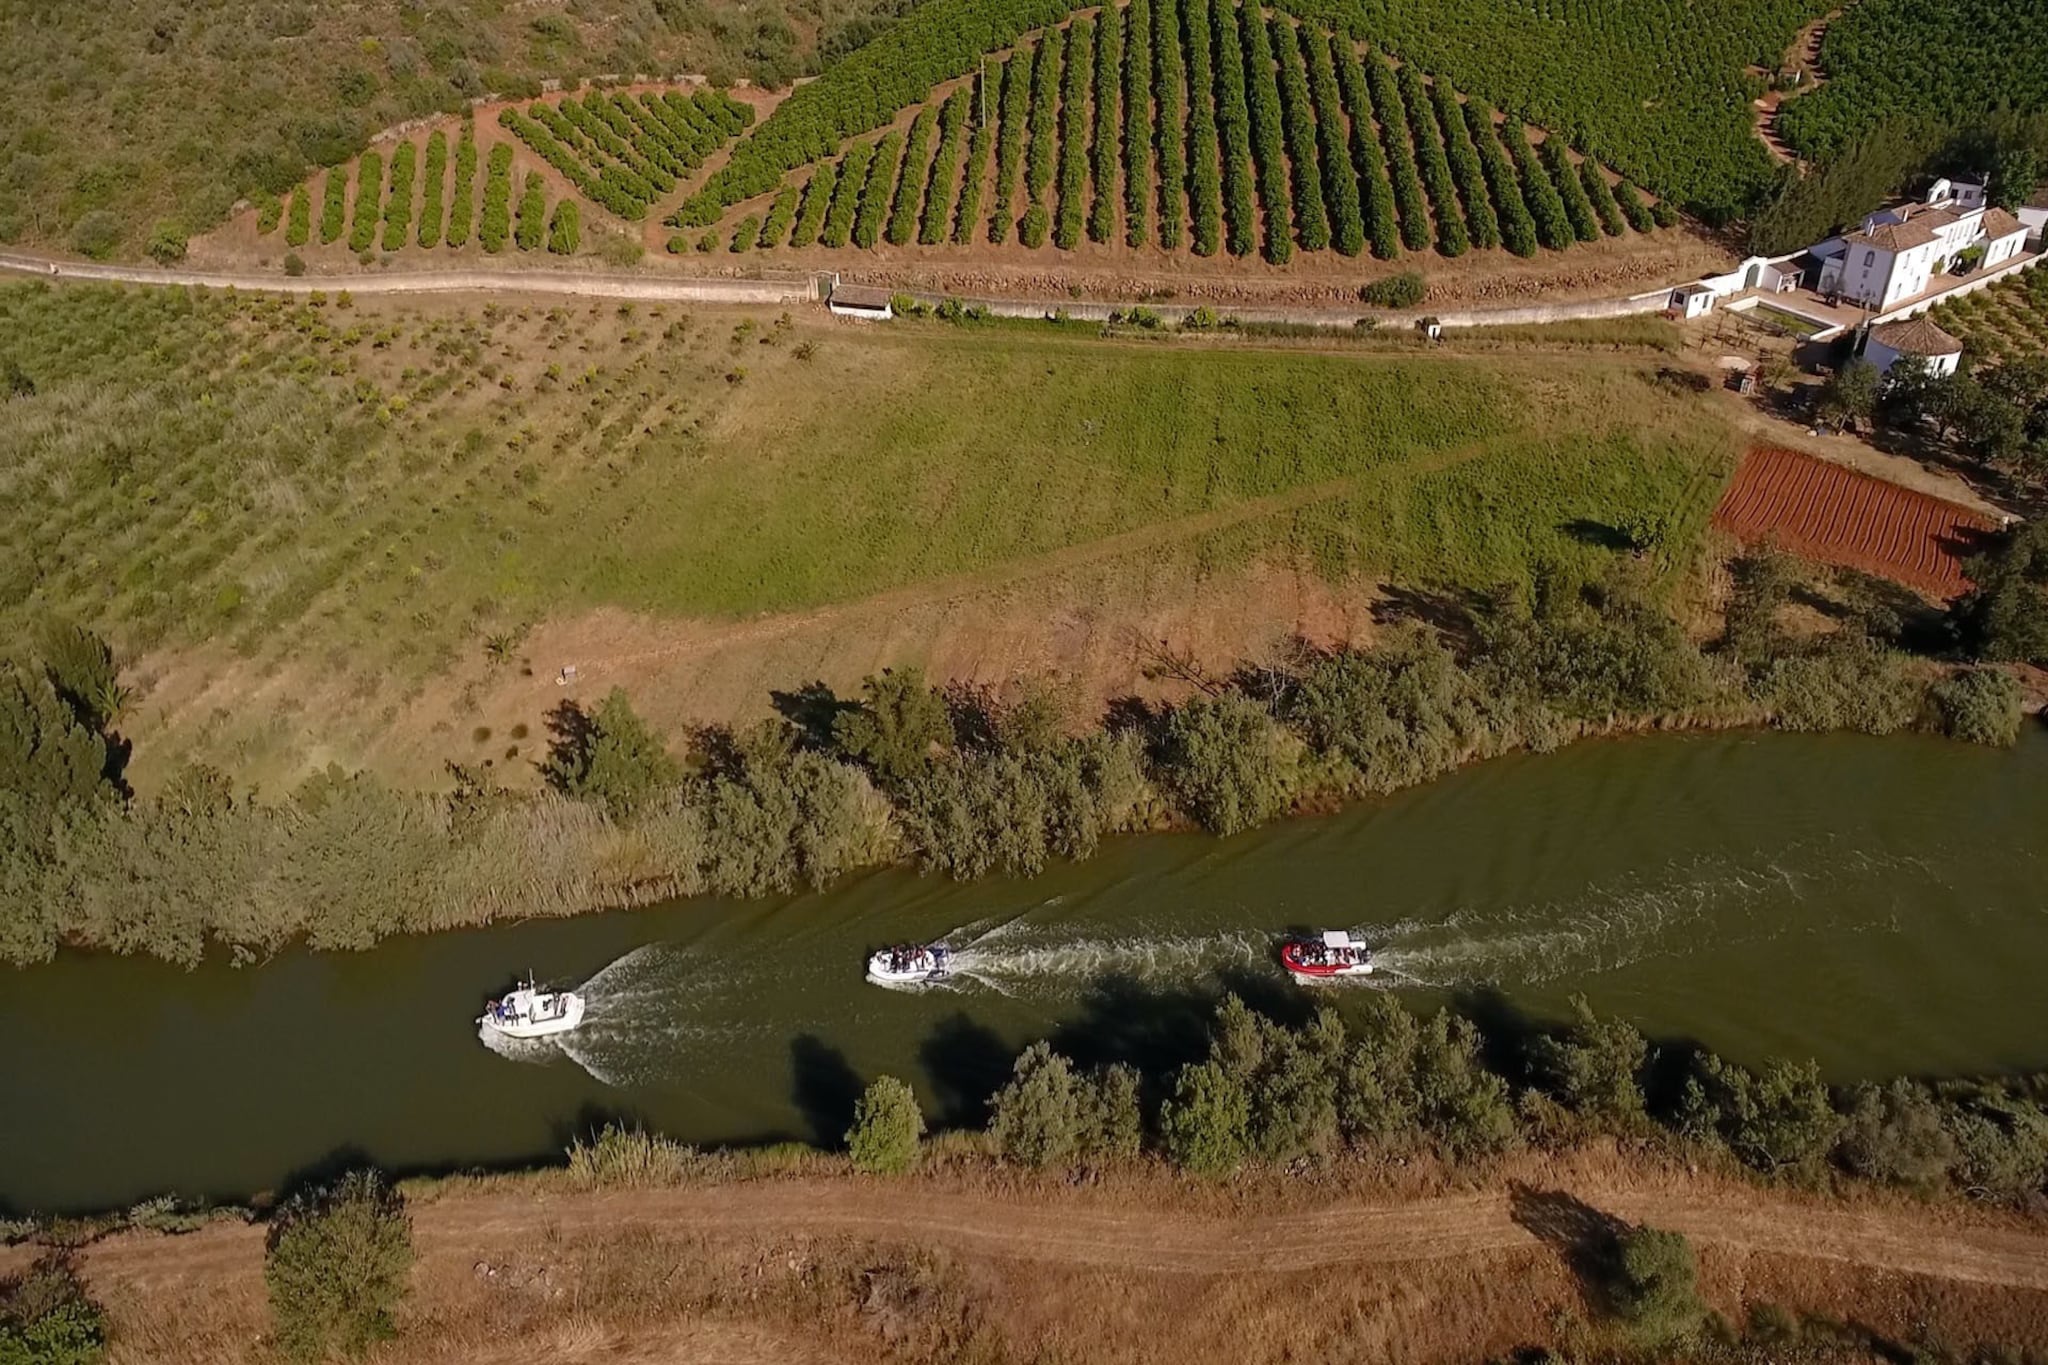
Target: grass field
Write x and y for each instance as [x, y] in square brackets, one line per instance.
[374, 494]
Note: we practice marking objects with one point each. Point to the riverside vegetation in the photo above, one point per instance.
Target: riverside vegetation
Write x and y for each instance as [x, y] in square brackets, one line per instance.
[1288, 1089]
[961, 781]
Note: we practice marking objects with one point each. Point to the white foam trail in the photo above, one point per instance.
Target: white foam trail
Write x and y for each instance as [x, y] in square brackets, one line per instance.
[643, 1015]
[1637, 919]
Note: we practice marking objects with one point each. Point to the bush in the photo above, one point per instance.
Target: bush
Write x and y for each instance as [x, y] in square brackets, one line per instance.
[1035, 1120]
[1655, 1285]
[565, 230]
[1404, 290]
[96, 235]
[336, 1263]
[886, 1127]
[1205, 1124]
[293, 265]
[1981, 706]
[398, 205]
[533, 214]
[462, 203]
[1229, 765]
[1073, 182]
[47, 1318]
[334, 206]
[299, 221]
[433, 175]
[166, 243]
[366, 212]
[608, 756]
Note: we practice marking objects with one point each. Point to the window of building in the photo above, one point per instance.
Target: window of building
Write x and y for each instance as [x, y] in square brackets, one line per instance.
[1869, 259]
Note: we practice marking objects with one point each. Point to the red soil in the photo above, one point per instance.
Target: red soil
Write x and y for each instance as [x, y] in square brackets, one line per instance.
[1838, 516]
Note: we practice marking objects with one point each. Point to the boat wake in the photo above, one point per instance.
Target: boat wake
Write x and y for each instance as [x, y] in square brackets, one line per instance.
[1015, 957]
[1676, 911]
[644, 1016]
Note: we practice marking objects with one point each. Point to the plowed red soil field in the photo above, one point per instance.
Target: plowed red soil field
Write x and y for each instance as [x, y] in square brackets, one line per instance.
[1822, 511]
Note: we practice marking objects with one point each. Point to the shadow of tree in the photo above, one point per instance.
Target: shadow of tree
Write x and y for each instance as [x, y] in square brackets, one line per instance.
[966, 1062]
[1587, 1240]
[570, 735]
[812, 709]
[824, 1087]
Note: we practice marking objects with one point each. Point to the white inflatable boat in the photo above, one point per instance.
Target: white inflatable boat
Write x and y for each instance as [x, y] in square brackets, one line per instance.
[908, 964]
[530, 1012]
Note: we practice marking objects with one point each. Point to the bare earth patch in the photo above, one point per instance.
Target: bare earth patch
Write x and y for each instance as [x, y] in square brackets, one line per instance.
[1136, 1267]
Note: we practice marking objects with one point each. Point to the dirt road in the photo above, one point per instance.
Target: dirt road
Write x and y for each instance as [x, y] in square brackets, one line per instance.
[795, 289]
[1072, 1229]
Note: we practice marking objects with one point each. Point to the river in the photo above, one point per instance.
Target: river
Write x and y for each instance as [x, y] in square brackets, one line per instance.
[1874, 903]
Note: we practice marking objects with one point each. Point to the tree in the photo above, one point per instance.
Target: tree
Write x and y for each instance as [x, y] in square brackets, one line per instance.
[899, 722]
[1980, 706]
[166, 243]
[608, 756]
[2015, 174]
[1112, 1127]
[886, 1126]
[1850, 395]
[47, 1318]
[336, 1263]
[1894, 1134]
[1460, 1103]
[1205, 1124]
[1036, 1118]
[1592, 1068]
[2004, 616]
[1654, 1286]
[1376, 1099]
[1778, 1118]
[1228, 763]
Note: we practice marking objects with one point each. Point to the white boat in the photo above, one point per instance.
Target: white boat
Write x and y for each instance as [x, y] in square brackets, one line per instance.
[1329, 955]
[530, 1012]
[909, 964]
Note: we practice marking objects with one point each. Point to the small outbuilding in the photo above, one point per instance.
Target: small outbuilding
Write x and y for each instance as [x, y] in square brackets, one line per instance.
[1917, 339]
[860, 301]
[1691, 300]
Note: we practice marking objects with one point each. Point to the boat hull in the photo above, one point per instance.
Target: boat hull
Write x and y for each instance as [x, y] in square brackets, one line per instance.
[1332, 958]
[516, 1026]
[884, 970]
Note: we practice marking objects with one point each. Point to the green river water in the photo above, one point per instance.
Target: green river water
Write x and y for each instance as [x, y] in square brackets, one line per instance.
[1876, 903]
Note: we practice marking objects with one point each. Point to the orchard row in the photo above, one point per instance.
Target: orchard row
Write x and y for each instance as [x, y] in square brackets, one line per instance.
[411, 198]
[1209, 125]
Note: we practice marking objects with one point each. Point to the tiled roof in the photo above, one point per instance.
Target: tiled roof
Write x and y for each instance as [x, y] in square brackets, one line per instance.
[1895, 236]
[1998, 223]
[1916, 336]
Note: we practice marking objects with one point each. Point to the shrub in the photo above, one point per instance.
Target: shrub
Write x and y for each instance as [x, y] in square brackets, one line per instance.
[817, 198]
[1229, 765]
[910, 177]
[48, 1318]
[874, 194]
[96, 235]
[1517, 228]
[622, 1158]
[1980, 706]
[1340, 178]
[1268, 134]
[336, 1263]
[1391, 111]
[886, 1127]
[433, 175]
[899, 722]
[1655, 1285]
[495, 223]
[1578, 206]
[1375, 189]
[981, 146]
[1038, 162]
[851, 179]
[1844, 683]
[293, 265]
[1080, 62]
[299, 221]
[533, 214]
[565, 229]
[1539, 193]
[1205, 1124]
[1304, 155]
[462, 203]
[775, 226]
[1404, 290]
[1452, 236]
[1169, 77]
[362, 232]
[398, 207]
[1233, 129]
[1601, 195]
[1103, 158]
[1205, 183]
[334, 209]
[1137, 107]
[936, 214]
[608, 756]
[1467, 173]
[166, 243]
[1035, 1120]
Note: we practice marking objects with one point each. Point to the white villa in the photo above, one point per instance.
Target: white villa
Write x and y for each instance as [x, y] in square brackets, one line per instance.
[1913, 339]
[1899, 253]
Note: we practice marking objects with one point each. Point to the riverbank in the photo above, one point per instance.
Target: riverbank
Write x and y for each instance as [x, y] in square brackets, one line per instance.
[966, 1262]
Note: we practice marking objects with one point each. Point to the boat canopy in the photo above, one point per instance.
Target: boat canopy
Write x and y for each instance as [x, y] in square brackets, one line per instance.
[1336, 938]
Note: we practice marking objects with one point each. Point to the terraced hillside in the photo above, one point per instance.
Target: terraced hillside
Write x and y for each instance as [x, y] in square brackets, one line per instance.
[521, 176]
[1198, 126]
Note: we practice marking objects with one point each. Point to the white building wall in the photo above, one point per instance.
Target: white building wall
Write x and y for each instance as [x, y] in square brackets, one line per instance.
[1999, 250]
[1884, 357]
